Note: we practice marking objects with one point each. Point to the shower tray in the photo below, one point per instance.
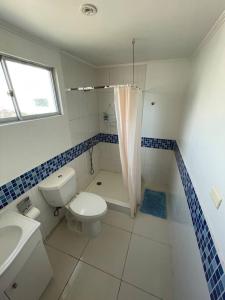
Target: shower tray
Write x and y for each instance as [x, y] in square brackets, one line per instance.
[109, 185]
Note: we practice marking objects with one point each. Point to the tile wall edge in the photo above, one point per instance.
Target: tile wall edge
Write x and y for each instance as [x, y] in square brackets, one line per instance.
[212, 265]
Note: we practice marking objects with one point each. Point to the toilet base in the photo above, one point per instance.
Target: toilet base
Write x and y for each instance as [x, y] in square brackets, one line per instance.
[91, 228]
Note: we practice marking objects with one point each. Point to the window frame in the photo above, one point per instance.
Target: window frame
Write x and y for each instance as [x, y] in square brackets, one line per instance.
[12, 94]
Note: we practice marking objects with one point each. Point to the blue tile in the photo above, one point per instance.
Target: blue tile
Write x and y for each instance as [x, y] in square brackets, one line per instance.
[18, 186]
[165, 144]
[214, 272]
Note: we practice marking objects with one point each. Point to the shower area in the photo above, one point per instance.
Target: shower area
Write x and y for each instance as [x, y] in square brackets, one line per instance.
[93, 113]
[107, 180]
[114, 99]
[106, 172]
[109, 185]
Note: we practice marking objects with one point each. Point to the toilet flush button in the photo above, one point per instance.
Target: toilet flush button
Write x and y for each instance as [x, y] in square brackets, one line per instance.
[216, 197]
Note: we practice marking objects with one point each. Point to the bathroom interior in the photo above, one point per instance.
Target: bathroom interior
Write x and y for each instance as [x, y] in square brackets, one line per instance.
[112, 150]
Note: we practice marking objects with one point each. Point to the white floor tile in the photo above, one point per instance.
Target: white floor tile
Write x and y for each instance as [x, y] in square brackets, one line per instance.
[67, 241]
[89, 283]
[63, 266]
[129, 292]
[108, 250]
[148, 267]
[152, 227]
[119, 219]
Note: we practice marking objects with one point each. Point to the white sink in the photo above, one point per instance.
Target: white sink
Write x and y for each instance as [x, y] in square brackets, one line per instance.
[24, 267]
[9, 237]
[15, 231]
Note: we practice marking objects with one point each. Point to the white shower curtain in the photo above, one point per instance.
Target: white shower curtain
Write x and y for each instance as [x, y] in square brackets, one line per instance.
[129, 108]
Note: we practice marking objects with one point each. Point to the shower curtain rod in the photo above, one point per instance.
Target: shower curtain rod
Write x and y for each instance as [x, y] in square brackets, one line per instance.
[99, 87]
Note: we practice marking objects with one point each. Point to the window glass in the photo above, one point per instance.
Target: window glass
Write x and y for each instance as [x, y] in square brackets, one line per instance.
[33, 87]
[6, 105]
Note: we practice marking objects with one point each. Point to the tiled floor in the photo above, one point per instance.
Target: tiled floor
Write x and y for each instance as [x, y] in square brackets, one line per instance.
[129, 260]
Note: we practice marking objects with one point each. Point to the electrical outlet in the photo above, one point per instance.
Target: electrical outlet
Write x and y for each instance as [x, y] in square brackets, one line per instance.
[216, 197]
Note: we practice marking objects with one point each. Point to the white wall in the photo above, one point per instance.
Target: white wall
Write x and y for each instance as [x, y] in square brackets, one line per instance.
[188, 275]
[202, 138]
[166, 84]
[82, 107]
[82, 114]
[26, 144]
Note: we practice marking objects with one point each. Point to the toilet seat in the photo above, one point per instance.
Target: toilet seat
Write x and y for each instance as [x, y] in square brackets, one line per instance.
[88, 206]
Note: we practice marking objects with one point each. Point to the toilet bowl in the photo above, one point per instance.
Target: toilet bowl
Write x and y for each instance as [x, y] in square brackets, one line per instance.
[84, 210]
[88, 208]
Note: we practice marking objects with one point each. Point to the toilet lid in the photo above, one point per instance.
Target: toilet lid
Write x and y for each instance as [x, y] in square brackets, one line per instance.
[88, 204]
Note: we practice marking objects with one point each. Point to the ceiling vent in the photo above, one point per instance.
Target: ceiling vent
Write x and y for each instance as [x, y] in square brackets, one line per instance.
[89, 9]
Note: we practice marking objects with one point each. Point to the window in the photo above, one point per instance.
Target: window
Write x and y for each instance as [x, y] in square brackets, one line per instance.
[27, 91]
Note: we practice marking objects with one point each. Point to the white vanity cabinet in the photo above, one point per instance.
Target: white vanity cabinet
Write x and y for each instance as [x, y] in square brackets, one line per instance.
[25, 270]
[33, 278]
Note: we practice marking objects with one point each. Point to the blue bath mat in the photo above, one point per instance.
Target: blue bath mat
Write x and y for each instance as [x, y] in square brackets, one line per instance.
[154, 203]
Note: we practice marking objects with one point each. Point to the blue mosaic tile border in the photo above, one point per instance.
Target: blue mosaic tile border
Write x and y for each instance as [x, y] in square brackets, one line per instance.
[212, 266]
[158, 143]
[18, 186]
[165, 144]
[108, 138]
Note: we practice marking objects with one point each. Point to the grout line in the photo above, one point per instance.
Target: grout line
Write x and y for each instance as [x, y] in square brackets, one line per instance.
[85, 247]
[68, 280]
[67, 254]
[139, 288]
[149, 238]
[63, 252]
[118, 292]
[117, 227]
[99, 269]
[122, 280]
[53, 229]
[78, 260]
[128, 248]
[153, 240]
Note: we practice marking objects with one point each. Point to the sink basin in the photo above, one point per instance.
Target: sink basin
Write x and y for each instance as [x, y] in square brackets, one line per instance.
[15, 232]
[9, 239]
[24, 267]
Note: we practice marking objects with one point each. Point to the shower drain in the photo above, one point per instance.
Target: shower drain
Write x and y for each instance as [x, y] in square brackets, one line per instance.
[89, 9]
[99, 183]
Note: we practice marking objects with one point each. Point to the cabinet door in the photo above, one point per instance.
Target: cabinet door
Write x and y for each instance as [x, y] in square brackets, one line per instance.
[33, 278]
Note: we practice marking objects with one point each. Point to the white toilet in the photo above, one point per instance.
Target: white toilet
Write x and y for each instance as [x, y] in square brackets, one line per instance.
[84, 211]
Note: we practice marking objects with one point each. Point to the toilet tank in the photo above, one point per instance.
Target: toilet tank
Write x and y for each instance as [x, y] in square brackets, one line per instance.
[60, 187]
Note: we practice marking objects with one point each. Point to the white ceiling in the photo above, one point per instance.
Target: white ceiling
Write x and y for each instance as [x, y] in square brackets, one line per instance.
[163, 28]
